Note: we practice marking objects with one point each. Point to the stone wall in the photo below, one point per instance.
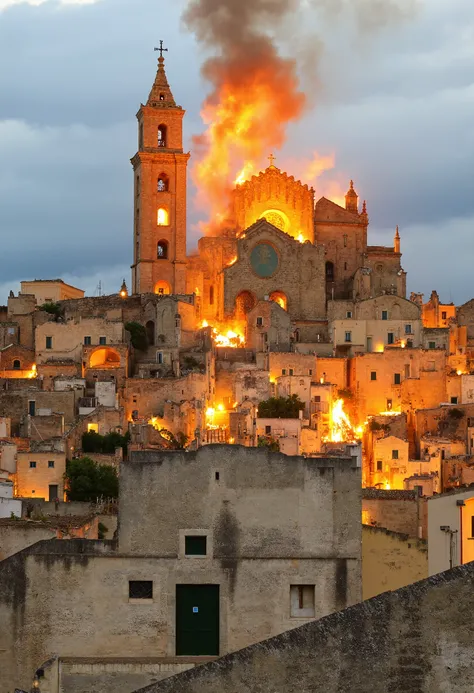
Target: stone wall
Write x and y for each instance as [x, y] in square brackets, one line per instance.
[415, 639]
[398, 511]
[390, 560]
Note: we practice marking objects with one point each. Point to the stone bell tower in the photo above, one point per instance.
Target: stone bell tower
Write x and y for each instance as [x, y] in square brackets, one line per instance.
[159, 247]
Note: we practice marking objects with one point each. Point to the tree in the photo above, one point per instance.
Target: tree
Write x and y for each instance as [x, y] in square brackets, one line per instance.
[177, 442]
[93, 442]
[138, 335]
[53, 309]
[270, 443]
[86, 480]
[280, 408]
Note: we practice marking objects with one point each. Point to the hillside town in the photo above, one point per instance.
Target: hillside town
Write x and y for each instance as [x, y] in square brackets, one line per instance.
[240, 441]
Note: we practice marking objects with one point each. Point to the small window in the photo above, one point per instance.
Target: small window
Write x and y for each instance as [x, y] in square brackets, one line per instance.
[302, 601]
[349, 314]
[431, 345]
[407, 329]
[211, 295]
[162, 217]
[162, 136]
[348, 337]
[16, 365]
[162, 250]
[140, 589]
[159, 357]
[32, 465]
[390, 338]
[195, 546]
[394, 454]
[454, 400]
[310, 371]
[345, 240]
[291, 371]
[329, 272]
[87, 341]
[397, 378]
[51, 464]
[444, 315]
[345, 265]
[317, 398]
[259, 322]
[49, 342]
[283, 371]
[102, 341]
[217, 476]
[379, 465]
[163, 183]
[389, 405]
[385, 315]
[268, 430]
[373, 375]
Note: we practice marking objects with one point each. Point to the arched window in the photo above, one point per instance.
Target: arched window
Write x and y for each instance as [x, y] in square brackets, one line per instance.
[211, 295]
[162, 135]
[329, 271]
[280, 298]
[162, 97]
[163, 183]
[162, 288]
[162, 250]
[150, 332]
[16, 365]
[244, 302]
[162, 217]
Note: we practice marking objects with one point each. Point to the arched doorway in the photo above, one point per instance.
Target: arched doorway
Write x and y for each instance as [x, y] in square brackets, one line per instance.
[150, 332]
[280, 298]
[104, 358]
[244, 302]
[162, 287]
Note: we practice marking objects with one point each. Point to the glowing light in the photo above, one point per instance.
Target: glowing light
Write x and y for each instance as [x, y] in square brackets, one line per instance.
[340, 426]
[387, 486]
[300, 238]
[244, 174]
[123, 294]
[204, 324]
[459, 372]
[232, 262]
[403, 344]
[379, 348]
[225, 337]
[389, 413]
[34, 372]
[92, 428]
[220, 407]
[163, 217]
[231, 441]
[210, 413]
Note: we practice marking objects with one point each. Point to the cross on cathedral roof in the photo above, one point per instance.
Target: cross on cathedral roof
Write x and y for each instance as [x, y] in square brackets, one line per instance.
[160, 94]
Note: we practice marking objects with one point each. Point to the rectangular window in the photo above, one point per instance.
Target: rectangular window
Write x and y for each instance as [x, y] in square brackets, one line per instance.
[310, 372]
[349, 314]
[32, 465]
[259, 322]
[348, 337]
[102, 341]
[291, 371]
[407, 329]
[385, 315]
[51, 464]
[195, 545]
[140, 589]
[268, 430]
[454, 400]
[390, 338]
[389, 405]
[397, 378]
[444, 315]
[317, 398]
[302, 601]
[431, 345]
[87, 341]
[373, 375]
[283, 371]
[32, 407]
[379, 465]
[345, 240]
[394, 454]
[159, 357]
[49, 342]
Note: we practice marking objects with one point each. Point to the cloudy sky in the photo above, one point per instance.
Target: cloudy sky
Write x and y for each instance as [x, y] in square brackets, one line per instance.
[394, 104]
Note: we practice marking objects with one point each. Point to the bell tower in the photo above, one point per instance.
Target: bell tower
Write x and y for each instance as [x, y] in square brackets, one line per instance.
[160, 166]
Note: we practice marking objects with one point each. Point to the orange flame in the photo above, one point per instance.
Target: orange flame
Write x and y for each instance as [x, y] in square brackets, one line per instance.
[229, 335]
[341, 429]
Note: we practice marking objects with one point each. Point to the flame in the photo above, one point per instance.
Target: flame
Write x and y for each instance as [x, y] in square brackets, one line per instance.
[244, 174]
[232, 335]
[340, 426]
[34, 372]
[301, 238]
[232, 262]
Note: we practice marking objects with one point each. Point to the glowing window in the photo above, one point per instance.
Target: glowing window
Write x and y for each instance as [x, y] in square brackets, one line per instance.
[163, 217]
[92, 428]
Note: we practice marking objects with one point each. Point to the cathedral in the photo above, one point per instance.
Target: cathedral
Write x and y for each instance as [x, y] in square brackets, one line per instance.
[280, 243]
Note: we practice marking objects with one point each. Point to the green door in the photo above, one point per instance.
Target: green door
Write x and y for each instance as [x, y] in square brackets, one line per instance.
[197, 620]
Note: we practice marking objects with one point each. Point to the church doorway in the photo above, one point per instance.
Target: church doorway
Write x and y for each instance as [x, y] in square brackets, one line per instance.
[280, 298]
[244, 302]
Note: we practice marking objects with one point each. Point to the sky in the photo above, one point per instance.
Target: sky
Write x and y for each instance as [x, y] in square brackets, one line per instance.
[394, 104]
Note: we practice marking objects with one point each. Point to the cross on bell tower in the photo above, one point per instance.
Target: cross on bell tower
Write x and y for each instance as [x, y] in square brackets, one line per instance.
[160, 168]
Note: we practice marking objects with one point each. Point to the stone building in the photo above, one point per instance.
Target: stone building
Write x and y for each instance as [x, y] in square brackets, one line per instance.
[50, 290]
[417, 638]
[216, 550]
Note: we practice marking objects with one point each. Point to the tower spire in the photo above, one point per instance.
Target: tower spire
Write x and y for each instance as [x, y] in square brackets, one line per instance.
[396, 241]
[160, 94]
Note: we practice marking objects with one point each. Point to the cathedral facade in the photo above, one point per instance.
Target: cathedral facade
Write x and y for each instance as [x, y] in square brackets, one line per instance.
[279, 243]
